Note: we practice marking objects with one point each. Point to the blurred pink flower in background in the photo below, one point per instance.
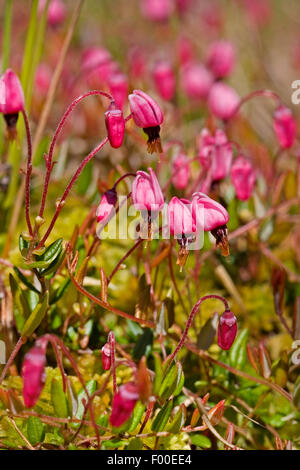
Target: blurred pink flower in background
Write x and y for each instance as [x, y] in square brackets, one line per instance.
[164, 79]
[221, 58]
[123, 404]
[243, 177]
[223, 100]
[285, 126]
[215, 153]
[157, 10]
[196, 80]
[180, 171]
[118, 87]
[33, 374]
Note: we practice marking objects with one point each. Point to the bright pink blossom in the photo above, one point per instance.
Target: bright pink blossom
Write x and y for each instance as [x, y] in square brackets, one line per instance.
[208, 213]
[180, 171]
[196, 80]
[215, 153]
[157, 10]
[180, 218]
[221, 58]
[164, 79]
[115, 125]
[223, 100]
[33, 374]
[106, 206]
[56, 12]
[227, 330]
[118, 87]
[11, 93]
[106, 356]
[284, 125]
[146, 192]
[123, 404]
[243, 177]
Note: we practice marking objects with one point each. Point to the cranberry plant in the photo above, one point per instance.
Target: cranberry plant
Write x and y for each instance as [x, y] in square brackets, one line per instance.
[149, 231]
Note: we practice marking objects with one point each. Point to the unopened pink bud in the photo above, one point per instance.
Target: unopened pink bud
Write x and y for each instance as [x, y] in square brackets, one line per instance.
[146, 192]
[180, 218]
[33, 373]
[196, 81]
[215, 153]
[106, 206]
[115, 125]
[164, 79]
[106, 357]
[147, 114]
[243, 177]
[11, 93]
[223, 100]
[56, 11]
[118, 86]
[284, 126]
[221, 58]
[157, 10]
[227, 330]
[123, 404]
[180, 171]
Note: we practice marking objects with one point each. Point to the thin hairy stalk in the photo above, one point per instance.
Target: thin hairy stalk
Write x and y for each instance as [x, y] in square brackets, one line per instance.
[17, 348]
[58, 130]
[121, 179]
[117, 267]
[68, 189]
[266, 93]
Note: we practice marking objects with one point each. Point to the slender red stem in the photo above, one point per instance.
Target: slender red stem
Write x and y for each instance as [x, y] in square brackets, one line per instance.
[121, 178]
[28, 172]
[17, 348]
[117, 267]
[111, 339]
[266, 93]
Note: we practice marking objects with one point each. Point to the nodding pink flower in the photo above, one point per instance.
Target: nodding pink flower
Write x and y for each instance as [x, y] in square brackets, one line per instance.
[227, 330]
[223, 101]
[56, 12]
[106, 356]
[164, 79]
[215, 153]
[284, 125]
[42, 79]
[180, 171]
[97, 65]
[221, 58]
[115, 125]
[243, 177]
[196, 81]
[118, 87]
[147, 114]
[211, 216]
[107, 205]
[157, 10]
[146, 192]
[11, 100]
[123, 404]
[33, 373]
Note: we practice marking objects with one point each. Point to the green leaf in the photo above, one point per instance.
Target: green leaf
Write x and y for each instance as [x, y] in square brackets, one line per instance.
[135, 444]
[178, 421]
[91, 388]
[143, 345]
[238, 352]
[200, 441]
[171, 381]
[136, 416]
[25, 280]
[161, 419]
[53, 267]
[51, 253]
[59, 399]
[102, 421]
[158, 373]
[35, 430]
[21, 306]
[23, 245]
[115, 443]
[57, 295]
[36, 317]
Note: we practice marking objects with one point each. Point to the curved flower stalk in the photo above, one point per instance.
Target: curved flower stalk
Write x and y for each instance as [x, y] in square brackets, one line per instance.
[109, 359]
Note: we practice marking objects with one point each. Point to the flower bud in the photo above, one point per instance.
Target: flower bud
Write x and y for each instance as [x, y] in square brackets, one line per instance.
[227, 330]
[164, 79]
[180, 171]
[284, 126]
[11, 99]
[56, 12]
[221, 58]
[106, 206]
[106, 357]
[223, 100]
[157, 10]
[243, 177]
[215, 153]
[146, 192]
[196, 81]
[147, 114]
[115, 125]
[33, 373]
[123, 404]
[118, 86]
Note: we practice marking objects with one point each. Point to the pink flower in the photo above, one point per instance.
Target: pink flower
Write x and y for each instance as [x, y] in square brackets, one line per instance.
[106, 206]
[180, 171]
[97, 65]
[115, 125]
[33, 373]
[123, 404]
[157, 10]
[243, 177]
[56, 11]
[93, 57]
[227, 330]
[11, 93]
[259, 11]
[221, 58]
[118, 86]
[180, 219]
[137, 62]
[196, 81]
[164, 79]
[146, 192]
[147, 114]
[42, 79]
[284, 126]
[185, 50]
[223, 100]
[215, 153]
[106, 356]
